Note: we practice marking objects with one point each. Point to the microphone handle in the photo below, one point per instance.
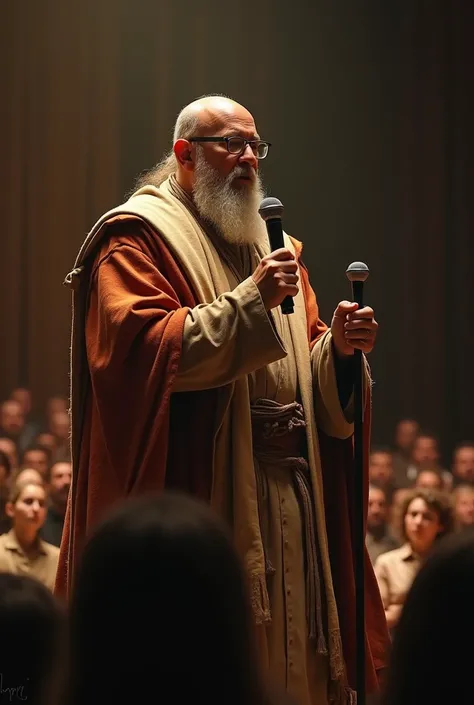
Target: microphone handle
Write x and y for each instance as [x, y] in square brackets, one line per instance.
[275, 235]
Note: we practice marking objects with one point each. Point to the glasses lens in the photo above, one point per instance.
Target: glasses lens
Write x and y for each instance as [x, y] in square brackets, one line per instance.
[262, 150]
[235, 145]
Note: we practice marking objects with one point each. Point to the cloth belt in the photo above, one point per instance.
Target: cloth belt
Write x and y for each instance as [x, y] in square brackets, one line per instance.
[278, 434]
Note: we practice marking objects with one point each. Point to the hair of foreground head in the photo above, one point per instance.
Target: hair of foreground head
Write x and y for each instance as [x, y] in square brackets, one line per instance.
[160, 606]
[431, 658]
[32, 628]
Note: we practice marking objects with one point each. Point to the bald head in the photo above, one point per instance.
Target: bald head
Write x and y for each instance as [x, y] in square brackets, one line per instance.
[211, 114]
[223, 181]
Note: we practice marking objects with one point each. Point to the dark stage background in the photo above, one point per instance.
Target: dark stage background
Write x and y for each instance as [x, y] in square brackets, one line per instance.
[370, 109]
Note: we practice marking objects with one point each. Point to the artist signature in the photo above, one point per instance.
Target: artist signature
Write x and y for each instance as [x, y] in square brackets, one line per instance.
[14, 692]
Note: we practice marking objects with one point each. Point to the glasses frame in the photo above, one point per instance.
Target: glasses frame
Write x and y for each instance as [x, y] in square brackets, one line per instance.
[234, 137]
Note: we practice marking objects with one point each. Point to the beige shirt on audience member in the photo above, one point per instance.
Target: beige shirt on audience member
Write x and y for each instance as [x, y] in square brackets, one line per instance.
[13, 560]
[396, 571]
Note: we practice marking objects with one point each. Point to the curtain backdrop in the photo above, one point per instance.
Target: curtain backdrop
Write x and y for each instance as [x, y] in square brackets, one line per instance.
[368, 105]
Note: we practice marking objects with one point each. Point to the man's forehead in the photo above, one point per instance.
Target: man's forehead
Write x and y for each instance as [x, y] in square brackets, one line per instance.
[225, 124]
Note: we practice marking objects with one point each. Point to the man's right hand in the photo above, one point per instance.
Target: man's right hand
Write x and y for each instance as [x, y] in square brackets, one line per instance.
[276, 277]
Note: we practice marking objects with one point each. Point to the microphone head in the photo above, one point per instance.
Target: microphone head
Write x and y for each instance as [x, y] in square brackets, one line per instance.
[357, 272]
[271, 208]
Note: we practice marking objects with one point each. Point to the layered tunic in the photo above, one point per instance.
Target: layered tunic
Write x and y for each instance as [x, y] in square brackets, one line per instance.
[178, 377]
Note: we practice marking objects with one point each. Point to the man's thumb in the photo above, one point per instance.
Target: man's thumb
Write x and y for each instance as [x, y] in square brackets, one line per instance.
[345, 307]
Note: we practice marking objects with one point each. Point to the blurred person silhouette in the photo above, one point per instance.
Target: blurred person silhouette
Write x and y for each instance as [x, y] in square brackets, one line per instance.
[162, 590]
[32, 625]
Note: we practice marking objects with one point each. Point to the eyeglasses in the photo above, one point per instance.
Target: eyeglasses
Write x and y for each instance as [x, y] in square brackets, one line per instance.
[238, 145]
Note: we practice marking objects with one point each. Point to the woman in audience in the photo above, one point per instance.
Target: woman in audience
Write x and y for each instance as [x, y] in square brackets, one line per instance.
[431, 660]
[160, 611]
[32, 642]
[22, 551]
[426, 515]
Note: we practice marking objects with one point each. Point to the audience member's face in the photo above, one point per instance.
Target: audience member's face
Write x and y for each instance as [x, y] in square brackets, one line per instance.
[46, 440]
[59, 425]
[377, 509]
[37, 459]
[405, 434]
[422, 525]
[425, 451]
[55, 404]
[12, 418]
[29, 510]
[23, 397]
[9, 448]
[464, 506]
[430, 480]
[60, 482]
[463, 466]
[380, 468]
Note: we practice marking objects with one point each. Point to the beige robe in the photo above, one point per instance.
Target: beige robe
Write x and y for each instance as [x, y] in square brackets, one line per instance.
[232, 344]
[287, 654]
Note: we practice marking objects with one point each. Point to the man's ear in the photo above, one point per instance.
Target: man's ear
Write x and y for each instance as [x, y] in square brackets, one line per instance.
[183, 153]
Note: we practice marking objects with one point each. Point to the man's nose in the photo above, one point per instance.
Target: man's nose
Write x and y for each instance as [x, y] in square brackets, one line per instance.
[248, 156]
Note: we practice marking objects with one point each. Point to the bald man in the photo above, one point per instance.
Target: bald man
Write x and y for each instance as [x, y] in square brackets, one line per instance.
[186, 376]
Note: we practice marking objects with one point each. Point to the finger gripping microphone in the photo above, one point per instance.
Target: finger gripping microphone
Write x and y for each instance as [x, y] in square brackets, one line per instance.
[271, 210]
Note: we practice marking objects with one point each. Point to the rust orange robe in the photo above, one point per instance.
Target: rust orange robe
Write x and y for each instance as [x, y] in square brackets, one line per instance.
[133, 429]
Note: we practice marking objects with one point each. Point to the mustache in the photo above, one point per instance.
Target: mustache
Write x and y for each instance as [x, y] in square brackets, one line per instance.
[243, 170]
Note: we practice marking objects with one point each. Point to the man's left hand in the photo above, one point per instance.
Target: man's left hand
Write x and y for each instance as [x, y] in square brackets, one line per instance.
[353, 328]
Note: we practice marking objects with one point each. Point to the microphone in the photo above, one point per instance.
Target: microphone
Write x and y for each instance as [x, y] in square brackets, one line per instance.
[271, 210]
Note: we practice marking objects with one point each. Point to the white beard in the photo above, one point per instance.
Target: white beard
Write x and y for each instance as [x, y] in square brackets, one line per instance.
[231, 207]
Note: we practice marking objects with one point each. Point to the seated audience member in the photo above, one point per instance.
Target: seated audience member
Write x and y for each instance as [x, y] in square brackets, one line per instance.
[463, 498]
[406, 433]
[426, 456]
[163, 568]
[8, 447]
[381, 470]
[378, 538]
[58, 483]
[36, 457]
[431, 659]
[47, 440]
[32, 625]
[23, 396]
[426, 516]
[430, 480]
[12, 423]
[5, 472]
[463, 464]
[22, 551]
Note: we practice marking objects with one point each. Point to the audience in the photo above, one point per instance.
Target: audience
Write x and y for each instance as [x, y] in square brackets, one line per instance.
[194, 585]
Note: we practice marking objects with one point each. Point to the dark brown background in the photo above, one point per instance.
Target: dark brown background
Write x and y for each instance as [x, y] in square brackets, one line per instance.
[370, 109]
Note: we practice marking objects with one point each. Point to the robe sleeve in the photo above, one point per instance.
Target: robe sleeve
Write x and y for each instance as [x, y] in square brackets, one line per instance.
[226, 339]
